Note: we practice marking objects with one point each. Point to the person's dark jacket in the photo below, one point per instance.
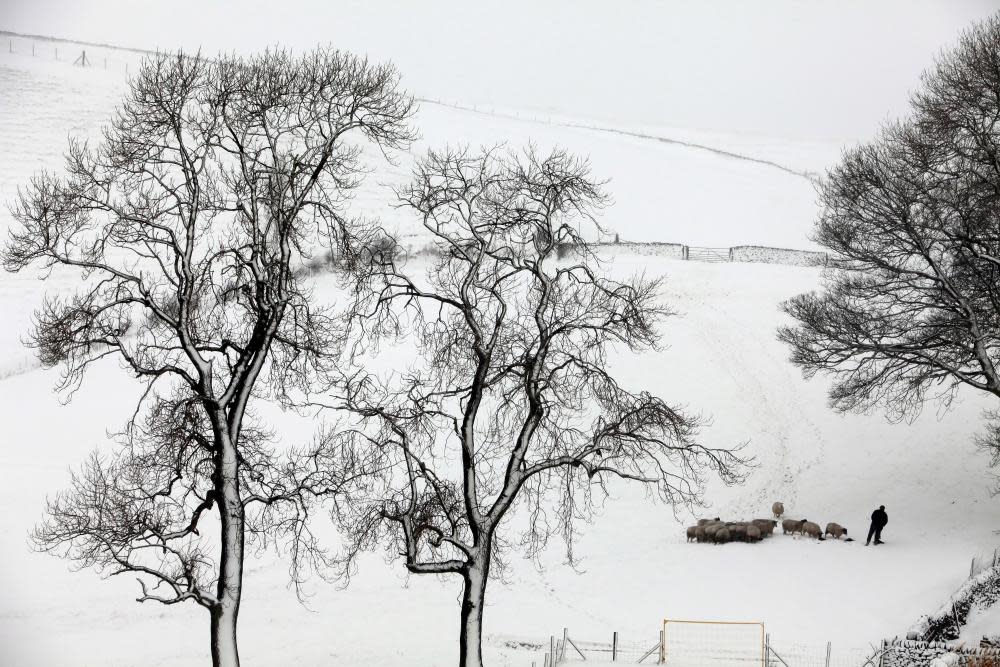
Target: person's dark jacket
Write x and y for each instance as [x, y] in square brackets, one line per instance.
[880, 518]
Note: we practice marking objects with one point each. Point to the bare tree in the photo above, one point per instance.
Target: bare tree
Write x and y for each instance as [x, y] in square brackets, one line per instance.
[510, 402]
[911, 308]
[187, 222]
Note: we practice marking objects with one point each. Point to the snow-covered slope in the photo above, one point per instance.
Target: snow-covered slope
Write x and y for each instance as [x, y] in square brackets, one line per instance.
[723, 361]
[663, 191]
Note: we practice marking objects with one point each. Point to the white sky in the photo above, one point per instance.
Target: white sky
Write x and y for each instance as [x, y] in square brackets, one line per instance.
[801, 68]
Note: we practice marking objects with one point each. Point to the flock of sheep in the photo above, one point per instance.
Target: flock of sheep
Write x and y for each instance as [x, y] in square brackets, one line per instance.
[720, 532]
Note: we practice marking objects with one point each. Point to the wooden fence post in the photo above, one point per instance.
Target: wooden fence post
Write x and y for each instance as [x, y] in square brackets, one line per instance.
[662, 656]
[767, 649]
[552, 650]
[546, 662]
[562, 652]
[828, 647]
[614, 647]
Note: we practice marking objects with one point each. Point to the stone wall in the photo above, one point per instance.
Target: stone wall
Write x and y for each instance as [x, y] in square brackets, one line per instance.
[912, 653]
[926, 640]
[756, 253]
[982, 590]
[416, 246]
[744, 253]
[647, 249]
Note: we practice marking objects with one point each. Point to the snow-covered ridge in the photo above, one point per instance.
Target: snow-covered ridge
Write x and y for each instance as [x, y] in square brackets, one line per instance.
[709, 188]
[650, 135]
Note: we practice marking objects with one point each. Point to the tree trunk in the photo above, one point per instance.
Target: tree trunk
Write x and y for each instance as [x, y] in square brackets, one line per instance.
[473, 598]
[224, 650]
[230, 586]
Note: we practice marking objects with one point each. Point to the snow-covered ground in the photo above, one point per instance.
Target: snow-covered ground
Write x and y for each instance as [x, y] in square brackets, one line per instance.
[981, 622]
[723, 361]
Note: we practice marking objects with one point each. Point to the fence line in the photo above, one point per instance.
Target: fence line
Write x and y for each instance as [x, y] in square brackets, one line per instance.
[412, 246]
[799, 654]
[75, 53]
[566, 650]
[740, 253]
[777, 653]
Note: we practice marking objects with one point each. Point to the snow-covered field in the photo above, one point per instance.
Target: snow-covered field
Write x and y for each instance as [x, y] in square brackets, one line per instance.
[723, 361]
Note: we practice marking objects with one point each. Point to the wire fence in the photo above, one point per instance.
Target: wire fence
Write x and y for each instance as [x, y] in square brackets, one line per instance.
[798, 654]
[567, 650]
[87, 55]
[618, 649]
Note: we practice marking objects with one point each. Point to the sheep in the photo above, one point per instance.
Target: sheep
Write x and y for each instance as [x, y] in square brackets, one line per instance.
[811, 529]
[792, 526]
[721, 532]
[738, 531]
[778, 509]
[766, 526]
[836, 530]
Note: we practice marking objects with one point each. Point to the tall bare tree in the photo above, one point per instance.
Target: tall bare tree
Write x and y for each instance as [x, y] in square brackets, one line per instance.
[911, 309]
[510, 402]
[187, 223]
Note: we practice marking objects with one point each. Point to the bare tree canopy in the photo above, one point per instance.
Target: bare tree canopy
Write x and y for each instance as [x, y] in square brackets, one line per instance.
[187, 223]
[509, 402]
[911, 309]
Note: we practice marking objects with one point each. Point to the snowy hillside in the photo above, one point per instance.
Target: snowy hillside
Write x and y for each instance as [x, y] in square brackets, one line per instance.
[723, 361]
[662, 191]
